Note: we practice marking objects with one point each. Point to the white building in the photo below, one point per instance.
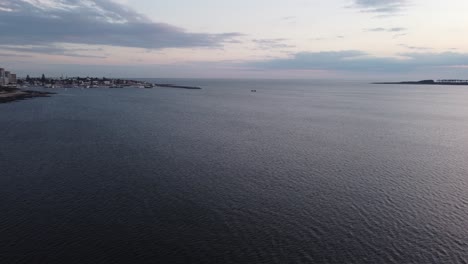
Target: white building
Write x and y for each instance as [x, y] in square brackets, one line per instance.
[7, 78]
[2, 76]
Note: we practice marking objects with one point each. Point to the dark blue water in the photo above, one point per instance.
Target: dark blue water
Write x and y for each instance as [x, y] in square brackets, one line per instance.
[299, 172]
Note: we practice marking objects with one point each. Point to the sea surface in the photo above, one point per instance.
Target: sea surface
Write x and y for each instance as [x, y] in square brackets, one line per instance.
[298, 172]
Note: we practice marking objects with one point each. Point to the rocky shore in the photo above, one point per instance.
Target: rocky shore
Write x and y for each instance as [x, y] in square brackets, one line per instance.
[13, 94]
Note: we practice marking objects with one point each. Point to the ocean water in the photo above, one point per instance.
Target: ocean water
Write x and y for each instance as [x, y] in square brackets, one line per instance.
[298, 172]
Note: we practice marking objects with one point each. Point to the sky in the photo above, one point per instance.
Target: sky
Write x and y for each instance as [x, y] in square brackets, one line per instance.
[312, 39]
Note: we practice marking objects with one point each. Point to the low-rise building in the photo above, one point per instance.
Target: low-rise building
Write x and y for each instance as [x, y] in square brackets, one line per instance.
[13, 78]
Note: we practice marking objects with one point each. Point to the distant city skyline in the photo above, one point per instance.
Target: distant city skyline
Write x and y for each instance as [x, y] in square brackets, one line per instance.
[346, 39]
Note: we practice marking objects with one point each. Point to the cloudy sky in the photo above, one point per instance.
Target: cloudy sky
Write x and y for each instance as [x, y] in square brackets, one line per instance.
[349, 39]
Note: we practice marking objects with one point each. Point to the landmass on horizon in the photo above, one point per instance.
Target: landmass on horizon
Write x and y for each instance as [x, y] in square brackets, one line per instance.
[10, 85]
[429, 82]
[93, 82]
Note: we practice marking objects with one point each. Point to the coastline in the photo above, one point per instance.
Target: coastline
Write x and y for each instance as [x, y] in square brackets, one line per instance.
[13, 94]
[429, 82]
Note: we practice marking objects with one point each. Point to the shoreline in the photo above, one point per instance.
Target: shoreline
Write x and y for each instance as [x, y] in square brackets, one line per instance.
[8, 95]
[93, 82]
[417, 83]
[428, 82]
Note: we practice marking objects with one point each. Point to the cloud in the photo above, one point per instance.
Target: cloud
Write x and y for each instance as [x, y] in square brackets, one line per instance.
[93, 22]
[52, 50]
[400, 35]
[359, 61]
[14, 55]
[328, 38]
[309, 60]
[381, 29]
[278, 43]
[380, 6]
[415, 47]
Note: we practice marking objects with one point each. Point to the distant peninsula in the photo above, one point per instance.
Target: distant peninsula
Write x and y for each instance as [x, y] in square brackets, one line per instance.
[93, 82]
[430, 82]
[13, 88]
